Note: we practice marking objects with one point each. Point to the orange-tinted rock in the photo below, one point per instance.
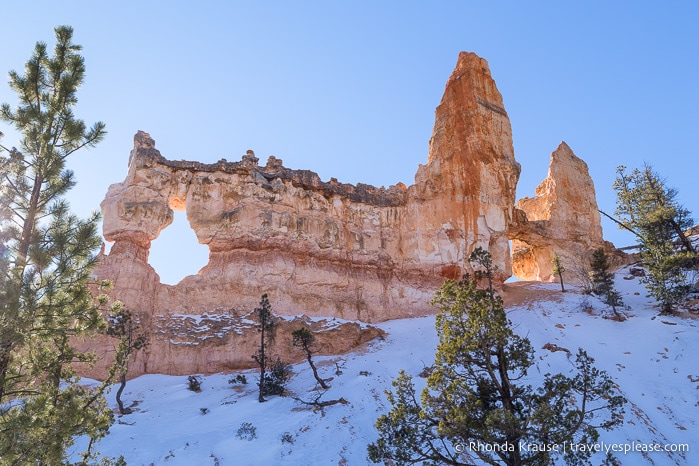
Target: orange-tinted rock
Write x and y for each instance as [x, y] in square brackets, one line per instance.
[561, 219]
[321, 248]
[466, 191]
[223, 340]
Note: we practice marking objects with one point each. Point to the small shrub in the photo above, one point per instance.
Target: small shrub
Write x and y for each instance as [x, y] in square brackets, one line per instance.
[585, 304]
[426, 371]
[204, 410]
[238, 379]
[194, 382]
[246, 431]
[582, 273]
[276, 379]
[287, 438]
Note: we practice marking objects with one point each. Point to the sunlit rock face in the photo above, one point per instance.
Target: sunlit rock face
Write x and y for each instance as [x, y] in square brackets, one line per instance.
[322, 248]
[465, 194]
[562, 218]
[325, 248]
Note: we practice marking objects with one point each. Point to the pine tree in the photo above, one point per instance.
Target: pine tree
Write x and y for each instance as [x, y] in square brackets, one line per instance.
[131, 339]
[475, 398]
[558, 269]
[266, 325]
[649, 209]
[45, 267]
[304, 338]
[276, 378]
[603, 281]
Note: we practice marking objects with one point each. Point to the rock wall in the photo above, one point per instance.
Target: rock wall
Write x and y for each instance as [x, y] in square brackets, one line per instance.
[222, 340]
[562, 218]
[318, 248]
[323, 248]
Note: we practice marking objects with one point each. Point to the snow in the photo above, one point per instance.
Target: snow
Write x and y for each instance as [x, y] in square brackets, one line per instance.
[653, 359]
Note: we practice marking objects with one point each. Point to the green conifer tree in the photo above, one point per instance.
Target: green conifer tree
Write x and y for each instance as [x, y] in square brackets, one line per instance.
[45, 267]
[603, 281]
[131, 339]
[649, 209]
[476, 404]
[266, 325]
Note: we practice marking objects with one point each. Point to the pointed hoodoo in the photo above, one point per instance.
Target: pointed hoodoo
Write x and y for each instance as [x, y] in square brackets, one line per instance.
[562, 218]
[470, 178]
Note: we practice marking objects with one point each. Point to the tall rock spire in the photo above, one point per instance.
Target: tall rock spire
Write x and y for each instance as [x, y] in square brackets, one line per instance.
[471, 174]
[562, 218]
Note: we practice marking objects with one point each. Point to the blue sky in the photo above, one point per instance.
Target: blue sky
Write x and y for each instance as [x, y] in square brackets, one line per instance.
[348, 89]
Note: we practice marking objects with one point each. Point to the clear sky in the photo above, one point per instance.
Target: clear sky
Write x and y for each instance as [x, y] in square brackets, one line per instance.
[348, 89]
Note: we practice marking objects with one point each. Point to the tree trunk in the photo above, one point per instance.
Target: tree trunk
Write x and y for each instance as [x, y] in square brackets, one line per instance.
[683, 238]
[122, 379]
[511, 435]
[28, 227]
[261, 397]
[25, 242]
[315, 371]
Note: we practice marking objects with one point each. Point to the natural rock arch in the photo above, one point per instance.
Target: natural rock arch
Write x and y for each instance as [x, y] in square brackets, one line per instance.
[561, 219]
[325, 248]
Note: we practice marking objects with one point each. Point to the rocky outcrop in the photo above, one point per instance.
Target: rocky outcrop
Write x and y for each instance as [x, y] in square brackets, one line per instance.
[324, 248]
[223, 340]
[321, 248]
[464, 195]
[562, 218]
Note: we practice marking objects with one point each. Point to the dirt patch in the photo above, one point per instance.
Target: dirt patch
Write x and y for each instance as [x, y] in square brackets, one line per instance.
[524, 293]
[553, 348]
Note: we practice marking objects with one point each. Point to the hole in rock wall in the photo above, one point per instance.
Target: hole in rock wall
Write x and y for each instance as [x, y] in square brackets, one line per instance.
[513, 278]
[176, 253]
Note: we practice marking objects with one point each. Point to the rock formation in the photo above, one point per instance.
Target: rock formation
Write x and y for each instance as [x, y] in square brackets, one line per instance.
[222, 340]
[562, 219]
[321, 248]
[464, 195]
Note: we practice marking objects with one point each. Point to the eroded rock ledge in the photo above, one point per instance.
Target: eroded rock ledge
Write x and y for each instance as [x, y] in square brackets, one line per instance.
[223, 340]
[304, 179]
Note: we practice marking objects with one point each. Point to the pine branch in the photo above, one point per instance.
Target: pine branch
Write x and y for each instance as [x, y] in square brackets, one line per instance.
[622, 225]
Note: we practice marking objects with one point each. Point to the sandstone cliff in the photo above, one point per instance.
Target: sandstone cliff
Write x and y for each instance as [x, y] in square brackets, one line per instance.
[222, 340]
[562, 218]
[465, 193]
[324, 248]
[320, 248]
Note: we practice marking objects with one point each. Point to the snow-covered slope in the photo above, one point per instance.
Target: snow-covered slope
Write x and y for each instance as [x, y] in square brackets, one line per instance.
[655, 361]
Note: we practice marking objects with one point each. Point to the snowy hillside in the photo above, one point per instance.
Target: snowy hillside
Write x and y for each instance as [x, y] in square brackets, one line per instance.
[655, 361]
